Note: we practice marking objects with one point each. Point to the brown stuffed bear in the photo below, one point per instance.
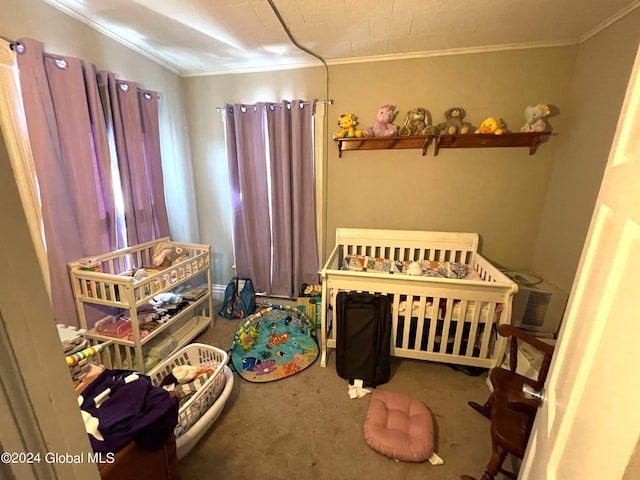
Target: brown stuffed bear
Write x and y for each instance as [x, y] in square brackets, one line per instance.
[454, 123]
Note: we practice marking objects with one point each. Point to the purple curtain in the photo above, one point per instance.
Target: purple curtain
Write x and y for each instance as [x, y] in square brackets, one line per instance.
[148, 102]
[71, 163]
[246, 152]
[282, 251]
[132, 123]
[83, 127]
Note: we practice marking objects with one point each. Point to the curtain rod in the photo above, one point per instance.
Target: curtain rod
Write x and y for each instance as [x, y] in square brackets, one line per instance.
[12, 43]
[326, 102]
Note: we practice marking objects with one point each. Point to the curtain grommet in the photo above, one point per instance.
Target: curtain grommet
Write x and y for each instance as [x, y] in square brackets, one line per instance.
[61, 63]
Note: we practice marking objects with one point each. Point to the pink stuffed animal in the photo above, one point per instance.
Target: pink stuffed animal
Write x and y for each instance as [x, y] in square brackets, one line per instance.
[383, 126]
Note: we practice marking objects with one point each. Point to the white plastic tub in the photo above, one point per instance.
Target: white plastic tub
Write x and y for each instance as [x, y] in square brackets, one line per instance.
[206, 398]
[191, 437]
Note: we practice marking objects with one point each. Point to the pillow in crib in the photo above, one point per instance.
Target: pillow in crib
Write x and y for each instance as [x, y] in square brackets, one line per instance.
[401, 266]
[360, 263]
[455, 270]
[378, 264]
[399, 426]
[355, 263]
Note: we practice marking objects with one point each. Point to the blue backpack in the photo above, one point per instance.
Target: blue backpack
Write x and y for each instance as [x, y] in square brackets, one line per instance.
[239, 302]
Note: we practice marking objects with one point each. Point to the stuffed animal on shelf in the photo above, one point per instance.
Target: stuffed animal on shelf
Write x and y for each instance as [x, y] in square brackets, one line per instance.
[165, 254]
[383, 126]
[454, 123]
[417, 122]
[534, 118]
[492, 125]
[347, 123]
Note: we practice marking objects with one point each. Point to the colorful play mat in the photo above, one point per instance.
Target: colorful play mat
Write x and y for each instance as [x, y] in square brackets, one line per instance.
[273, 344]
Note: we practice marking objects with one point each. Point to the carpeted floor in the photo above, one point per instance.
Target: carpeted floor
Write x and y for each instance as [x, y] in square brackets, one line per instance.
[307, 427]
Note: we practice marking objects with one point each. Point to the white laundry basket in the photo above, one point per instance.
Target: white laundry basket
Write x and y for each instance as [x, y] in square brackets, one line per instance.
[208, 398]
[188, 440]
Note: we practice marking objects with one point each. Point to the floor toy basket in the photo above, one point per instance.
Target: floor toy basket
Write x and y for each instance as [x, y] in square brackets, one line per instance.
[197, 407]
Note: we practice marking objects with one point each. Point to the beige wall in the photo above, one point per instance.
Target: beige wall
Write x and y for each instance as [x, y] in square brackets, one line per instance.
[66, 36]
[532, 212]
[601, 74]
[498, 193]
[206, 130]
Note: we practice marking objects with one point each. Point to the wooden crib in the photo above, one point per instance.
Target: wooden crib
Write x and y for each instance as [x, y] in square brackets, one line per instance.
[438, 319]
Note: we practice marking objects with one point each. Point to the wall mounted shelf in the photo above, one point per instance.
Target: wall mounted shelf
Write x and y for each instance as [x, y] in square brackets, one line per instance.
[383, 143]
[529, 139]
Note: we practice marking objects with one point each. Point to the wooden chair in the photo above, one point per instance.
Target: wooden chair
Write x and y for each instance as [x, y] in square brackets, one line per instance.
[510, 412]
[508, 383]
[510, 430]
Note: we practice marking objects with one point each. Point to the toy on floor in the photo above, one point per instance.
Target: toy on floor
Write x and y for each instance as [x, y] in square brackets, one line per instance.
[383, 125]
[454, 123]
[347, 123]
[274, 343]
[310, 290]
[492, 125]
[417, 122]
[534, 118]
[71, 338]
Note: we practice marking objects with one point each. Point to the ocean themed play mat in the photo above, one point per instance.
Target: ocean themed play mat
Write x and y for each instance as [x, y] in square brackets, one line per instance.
[274, 343]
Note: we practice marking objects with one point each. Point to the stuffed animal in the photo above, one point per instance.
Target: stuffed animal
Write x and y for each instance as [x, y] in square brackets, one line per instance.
[454, 123]
[417, 122]
[165, 254]
[163, 299]
[534, 118]
[347, 123]
[414, 269]
[383, 126]
[492, 125]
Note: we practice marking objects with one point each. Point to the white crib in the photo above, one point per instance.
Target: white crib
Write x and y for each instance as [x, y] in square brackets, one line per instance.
[437, 319]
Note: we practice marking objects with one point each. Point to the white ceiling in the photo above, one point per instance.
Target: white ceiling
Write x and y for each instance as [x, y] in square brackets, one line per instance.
[201, 37]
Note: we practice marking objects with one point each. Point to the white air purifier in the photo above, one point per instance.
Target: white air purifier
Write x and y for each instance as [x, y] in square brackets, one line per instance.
[538, 306]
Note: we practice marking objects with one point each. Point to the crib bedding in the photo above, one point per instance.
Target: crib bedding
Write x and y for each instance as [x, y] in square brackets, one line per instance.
[447, 300]
[424, 268]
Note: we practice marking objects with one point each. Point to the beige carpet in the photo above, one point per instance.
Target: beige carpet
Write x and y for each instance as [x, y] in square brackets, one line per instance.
[307, 427]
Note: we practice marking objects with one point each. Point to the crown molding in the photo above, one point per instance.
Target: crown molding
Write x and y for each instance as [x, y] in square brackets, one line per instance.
[610, 21]
[112, 35]
[391, 57]
[354, 60]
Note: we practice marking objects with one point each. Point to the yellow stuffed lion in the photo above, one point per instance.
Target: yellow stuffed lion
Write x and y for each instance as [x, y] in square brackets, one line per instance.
[347, 123]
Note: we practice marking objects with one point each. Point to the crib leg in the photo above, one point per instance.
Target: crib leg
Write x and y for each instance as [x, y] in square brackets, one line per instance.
[482, 409]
